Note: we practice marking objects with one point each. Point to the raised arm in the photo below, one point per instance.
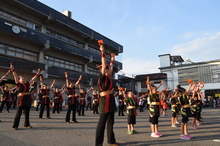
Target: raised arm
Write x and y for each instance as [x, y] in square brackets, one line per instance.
[80, 78]
[112, 62]
[102, 49]
[41, 82]
[52, 84]
[4, 76]
[161, 83]
[148, 85]
[67, 78]
[31, 82]
[91, 88]
[14, 73]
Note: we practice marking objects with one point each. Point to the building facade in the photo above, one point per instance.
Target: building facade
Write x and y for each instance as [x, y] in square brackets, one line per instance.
[33, 35]
[178, 71]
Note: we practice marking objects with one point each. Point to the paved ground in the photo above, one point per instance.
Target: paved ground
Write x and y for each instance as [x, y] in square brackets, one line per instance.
[54, 131]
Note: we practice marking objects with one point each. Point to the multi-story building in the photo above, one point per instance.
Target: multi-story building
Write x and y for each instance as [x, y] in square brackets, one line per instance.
[33, 35]
[178, 71]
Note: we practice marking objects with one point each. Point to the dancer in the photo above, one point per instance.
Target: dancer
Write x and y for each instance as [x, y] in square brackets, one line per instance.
[121, 102]
[193, 107]
[57, 100]
[131, 111]
[185, 110]
[95, 101]
[82, 101]
[72, 98]
[106, 102]
[24, 97]
[174, 109]
[2, 79]
[39, 100]
[45, 98]
[154, 107]
[6, 98]
[164, 104]
[13, 96]
[89, 101]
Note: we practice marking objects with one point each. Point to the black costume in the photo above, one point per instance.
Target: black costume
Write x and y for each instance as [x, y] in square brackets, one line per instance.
[185, 110]
[107, 110]
[72, 104]
[95, 103]
[6, 100]
[45, 102]
[39, 101]
[57, 101]
[154, 108]
[23, 103]
[174, 106]
[121, 105]
[82, 103]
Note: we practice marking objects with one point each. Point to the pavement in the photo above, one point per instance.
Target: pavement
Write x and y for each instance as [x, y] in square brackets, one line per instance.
[56, 132]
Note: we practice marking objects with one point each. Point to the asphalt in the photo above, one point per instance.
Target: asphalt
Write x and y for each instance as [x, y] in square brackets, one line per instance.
[55, 132]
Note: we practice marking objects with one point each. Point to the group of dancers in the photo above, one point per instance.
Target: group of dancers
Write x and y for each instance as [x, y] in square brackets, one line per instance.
[184, 101]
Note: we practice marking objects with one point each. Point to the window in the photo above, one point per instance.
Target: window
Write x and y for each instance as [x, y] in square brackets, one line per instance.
[64, 38]
[93, 71]
[62, 63]
[17, 52]
[20, 21]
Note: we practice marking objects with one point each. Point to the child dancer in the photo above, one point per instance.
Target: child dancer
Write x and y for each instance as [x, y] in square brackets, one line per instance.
[154, 108]
[185, 111]
[131, 111]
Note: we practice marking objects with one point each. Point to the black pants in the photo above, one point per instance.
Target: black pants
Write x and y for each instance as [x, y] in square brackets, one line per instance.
[60, 106]
[100, 130]
[81, 110]
[13, 103]
[72, 108]
[7, 105]
[18, 116]
[38, 104]
[42, 110]
[89, 106]
[56, 107]
[141, 108]
[95, 108]
[121, 110]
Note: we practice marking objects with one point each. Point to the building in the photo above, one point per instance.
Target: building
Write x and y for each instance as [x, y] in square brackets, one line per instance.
[33, 35]
[178, 71]
[138, 83]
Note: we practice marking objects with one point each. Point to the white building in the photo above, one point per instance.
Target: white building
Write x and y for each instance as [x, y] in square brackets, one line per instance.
[178, 71]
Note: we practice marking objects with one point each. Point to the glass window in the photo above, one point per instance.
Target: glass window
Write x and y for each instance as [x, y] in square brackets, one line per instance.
[10, 53]
[18, 54]
[2, 50]
[26, 56]
[33, 58]
[71, 67]
[56, 63]
[67, 66]
[50, 62]
[30, 25]
[62, 65]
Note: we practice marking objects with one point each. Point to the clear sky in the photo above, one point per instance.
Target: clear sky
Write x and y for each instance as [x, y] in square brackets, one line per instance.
[148, 28]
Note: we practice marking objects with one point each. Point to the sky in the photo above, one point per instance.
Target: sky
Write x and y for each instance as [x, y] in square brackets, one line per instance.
[149, 28]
